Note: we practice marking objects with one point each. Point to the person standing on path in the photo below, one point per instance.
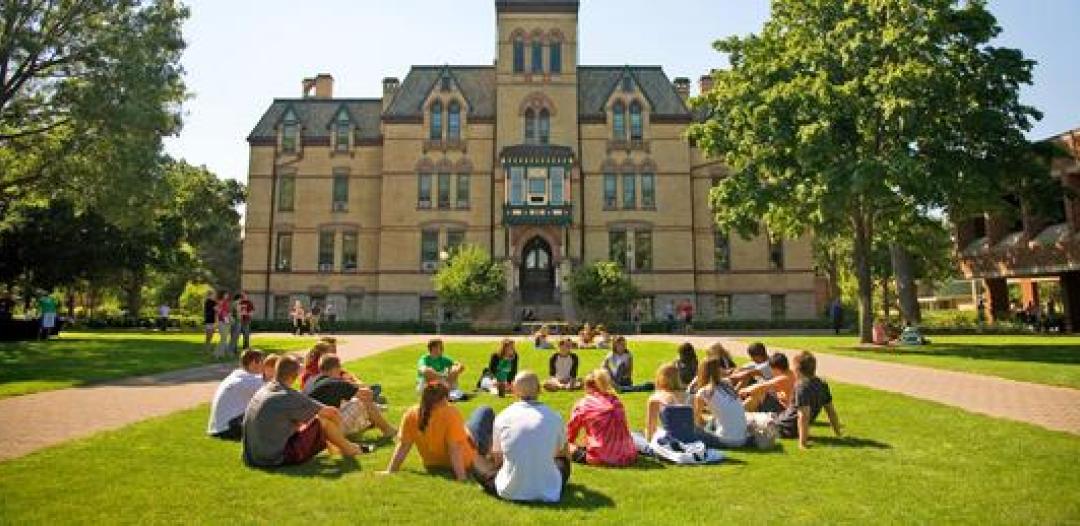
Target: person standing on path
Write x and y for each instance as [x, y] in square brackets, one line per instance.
[47, 311]
[313, 318]
[299, 317]
[224, 324]
[209, 319]
[163, 316]
[247, 308]
[234, 332]
[331, 316]
[836, 314]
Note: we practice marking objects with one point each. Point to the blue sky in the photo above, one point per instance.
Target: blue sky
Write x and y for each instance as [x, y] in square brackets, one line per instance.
[243, 53]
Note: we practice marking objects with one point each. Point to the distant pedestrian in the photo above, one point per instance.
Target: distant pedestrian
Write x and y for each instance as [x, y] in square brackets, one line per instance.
[669, 315]
[314, 318]
[299, 317]
[224, 324]
[47, 311]
[234, 329]
[836, 314]
[331, 316]
[163, 316]
[209, 319]
[247, 309]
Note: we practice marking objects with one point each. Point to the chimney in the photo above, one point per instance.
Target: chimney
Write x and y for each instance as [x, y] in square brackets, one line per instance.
[706, 83]
[324, 86]
[306, 86]
[390, 87]
[682, 87]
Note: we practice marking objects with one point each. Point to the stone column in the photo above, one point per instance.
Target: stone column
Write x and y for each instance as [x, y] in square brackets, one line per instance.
[997, 298]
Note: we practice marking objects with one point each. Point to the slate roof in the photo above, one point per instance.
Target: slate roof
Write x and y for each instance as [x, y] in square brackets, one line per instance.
[521, 153]
[596, 83]
[317, 115]
[477, 84]
[537, 5]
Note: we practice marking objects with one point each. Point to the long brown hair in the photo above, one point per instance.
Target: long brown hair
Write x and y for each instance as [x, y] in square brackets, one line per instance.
[433, 394]
[711, 373]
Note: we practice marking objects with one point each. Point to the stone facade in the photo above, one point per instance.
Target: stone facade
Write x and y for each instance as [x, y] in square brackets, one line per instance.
[545, 163]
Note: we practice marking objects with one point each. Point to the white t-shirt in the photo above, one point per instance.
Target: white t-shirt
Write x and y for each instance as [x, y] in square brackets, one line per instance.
[163, 311]
[529, 434]
[764, 369]
[729, 417]
[231, 399]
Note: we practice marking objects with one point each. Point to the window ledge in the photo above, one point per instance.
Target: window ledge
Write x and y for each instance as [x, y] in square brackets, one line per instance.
[641, 145]
[448, 145]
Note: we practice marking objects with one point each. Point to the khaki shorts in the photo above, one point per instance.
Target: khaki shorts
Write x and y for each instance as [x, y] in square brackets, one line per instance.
[353, 417]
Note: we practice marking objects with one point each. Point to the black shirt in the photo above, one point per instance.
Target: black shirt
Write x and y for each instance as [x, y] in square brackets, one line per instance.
[209, 311]
[330, 391]
[813, 393]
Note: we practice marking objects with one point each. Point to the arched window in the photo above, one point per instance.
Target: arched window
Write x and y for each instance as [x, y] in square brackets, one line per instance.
[635, 121]
[436, 121]
[545, 126]
[537, 56]
[619, 121]
[453, 122]
[519, 54]
[530, 126]
[555, 57]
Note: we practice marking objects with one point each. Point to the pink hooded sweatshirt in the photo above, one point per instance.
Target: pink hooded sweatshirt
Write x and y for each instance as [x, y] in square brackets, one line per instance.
[607, 434]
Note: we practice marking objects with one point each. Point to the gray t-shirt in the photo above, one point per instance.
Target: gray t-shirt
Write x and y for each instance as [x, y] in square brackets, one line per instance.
[809, 392]
[271, 418]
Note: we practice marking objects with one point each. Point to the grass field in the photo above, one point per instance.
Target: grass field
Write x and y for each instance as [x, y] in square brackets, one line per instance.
[1050, 360]
[904, 461]
[81, 358]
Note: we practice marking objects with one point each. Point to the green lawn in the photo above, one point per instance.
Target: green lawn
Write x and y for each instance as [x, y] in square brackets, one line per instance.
[82, 358]
[906, 461]
[1050, 360]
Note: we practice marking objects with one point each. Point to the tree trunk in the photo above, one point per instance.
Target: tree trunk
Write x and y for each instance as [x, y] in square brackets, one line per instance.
[132, 292]
[885, 304]
[906, 291]
[861, 255]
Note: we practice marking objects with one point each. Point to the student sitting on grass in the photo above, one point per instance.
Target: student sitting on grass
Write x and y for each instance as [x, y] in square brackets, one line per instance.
[232, 397]
[603, 339]
[619, 363]
[528, 449]
[435, 366]
[587, 337]
[757, 370]
[717, 397]
[602, 416]
[283, 426]
[502, 368]
[563, 368]
[811, 396]
[337, 388]
[541, 338]
[717, 351]
[269, 366]
[774, 394]
[311, 361]
[443, 438]
[669, 393]
[687, 363]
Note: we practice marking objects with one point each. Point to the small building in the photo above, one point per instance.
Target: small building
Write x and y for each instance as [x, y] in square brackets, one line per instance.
[1039, 251]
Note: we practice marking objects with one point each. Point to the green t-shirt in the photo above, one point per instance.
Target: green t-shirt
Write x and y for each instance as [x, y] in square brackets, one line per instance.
[440, 364]
[502, 373]
[47, 305]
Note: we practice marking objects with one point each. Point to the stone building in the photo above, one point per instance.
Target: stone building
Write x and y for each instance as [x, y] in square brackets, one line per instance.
[1027, 246]
[544, 162]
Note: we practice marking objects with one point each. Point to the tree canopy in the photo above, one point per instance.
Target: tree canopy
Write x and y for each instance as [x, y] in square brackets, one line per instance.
[861, 117]
[603, 290]
[470, 279]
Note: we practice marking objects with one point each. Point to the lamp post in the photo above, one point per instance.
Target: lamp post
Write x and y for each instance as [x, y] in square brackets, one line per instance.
[444, 256]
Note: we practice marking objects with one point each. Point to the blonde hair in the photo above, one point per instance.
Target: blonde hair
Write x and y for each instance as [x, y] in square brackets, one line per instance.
[667, 378]
[507, 343]
[527, 385]
[271, 361]
[599, 380]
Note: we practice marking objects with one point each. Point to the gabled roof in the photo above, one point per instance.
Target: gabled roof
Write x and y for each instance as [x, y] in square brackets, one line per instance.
[316, 116]
[597, 83]
[476, 83]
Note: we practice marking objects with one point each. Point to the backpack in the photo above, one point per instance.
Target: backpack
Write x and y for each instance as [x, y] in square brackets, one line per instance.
[763, 430]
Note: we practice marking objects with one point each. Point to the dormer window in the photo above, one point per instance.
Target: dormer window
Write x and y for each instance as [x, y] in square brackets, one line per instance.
[290, 131]
[436, 121]
[342, 131]
[453, 121]
[519, 55]
[618, 119]
[636, 132]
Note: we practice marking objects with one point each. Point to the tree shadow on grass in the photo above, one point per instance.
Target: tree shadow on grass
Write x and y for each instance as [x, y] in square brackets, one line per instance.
[322, 466]
[1061, 354]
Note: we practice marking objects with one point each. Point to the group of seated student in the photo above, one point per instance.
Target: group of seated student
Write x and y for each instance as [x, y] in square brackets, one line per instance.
[590, 337]
[519, 455]
[235, 392]
[542, 338]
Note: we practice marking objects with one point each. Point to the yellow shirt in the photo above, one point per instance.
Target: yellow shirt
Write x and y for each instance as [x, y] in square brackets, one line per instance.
[445, 427]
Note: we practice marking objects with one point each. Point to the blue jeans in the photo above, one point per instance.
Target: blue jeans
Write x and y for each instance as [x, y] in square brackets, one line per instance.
[234, 337]
[480, 425]
[245, 330]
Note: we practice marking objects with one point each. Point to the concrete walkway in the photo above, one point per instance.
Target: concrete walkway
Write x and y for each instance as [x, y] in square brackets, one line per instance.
[67, 414]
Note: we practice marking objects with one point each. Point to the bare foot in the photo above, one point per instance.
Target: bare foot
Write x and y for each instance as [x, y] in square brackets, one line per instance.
[351, 451]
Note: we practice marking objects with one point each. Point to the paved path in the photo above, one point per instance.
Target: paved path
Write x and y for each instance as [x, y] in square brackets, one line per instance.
[58, 416]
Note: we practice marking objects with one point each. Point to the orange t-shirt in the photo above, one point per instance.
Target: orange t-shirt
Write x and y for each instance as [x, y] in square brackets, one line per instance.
[445, 427]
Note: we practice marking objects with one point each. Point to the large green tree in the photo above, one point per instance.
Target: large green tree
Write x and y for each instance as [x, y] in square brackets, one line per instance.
[88, 88]
[603, 290]
[859, 114]
[470, 279]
